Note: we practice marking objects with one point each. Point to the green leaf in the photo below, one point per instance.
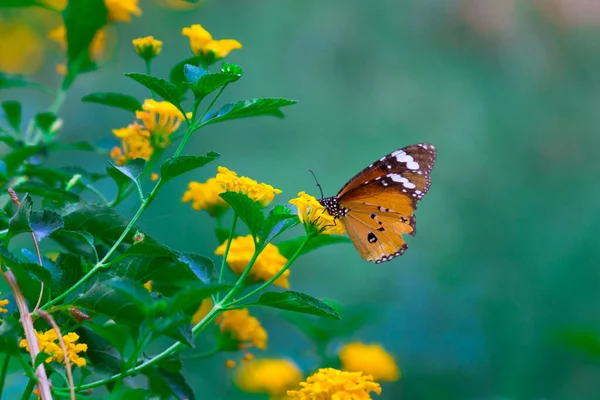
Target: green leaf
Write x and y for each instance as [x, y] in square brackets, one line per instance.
[135, 292]
[161, 87]
[66, 271]
[279, 220]
[47, 192]
[114, 298]
[12, 112]
[150, 249]
[202, 267]
[190, 297]
[127, 393]
[167, 384]
[171, 363]
[247, 209]
[19, 222]
[33, 155]
[584, 342]
[18, 3]
[298, 302]
[9, 140]
[248, 108]
[205, 83]
[28, 275]
[111, 99]
[288, 247]
[10, 331]
[102, 354]
[44, 223]
[45, 121]
[78, 242]
[40, 358]
[177, 76]
[131, 171]
[231, 69]
[179, 165]
[15, 81]
[101, 221]
[193, 73]
[82, 20]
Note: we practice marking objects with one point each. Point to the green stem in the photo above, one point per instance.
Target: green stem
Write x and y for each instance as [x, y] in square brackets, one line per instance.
[212, 314]
[239, 285]
[100, 264]
[3, 373]
[222, 271]
[28, 390]
[276, 276]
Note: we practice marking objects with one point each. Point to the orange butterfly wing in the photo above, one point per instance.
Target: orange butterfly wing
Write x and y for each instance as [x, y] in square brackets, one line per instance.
[376, 207]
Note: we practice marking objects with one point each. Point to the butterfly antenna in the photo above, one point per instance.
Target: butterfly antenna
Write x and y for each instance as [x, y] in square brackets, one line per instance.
[318, 184]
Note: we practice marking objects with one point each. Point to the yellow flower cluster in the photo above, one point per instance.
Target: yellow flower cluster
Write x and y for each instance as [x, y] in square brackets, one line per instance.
[244, 328]
[268, 263]
[371, 360]
[160, 120]
[135, 143]
[205, 196]
[329, 383]
[314, 216]
[260, 192]
[147, 47]
[270, 376]
[48, 343]
[202, 43]
[122, 10]
[3, 303]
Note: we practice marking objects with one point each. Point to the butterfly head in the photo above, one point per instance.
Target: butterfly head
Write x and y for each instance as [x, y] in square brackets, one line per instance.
[333, 207]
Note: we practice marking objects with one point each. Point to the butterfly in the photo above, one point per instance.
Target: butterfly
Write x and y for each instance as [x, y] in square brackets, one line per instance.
[376, 207]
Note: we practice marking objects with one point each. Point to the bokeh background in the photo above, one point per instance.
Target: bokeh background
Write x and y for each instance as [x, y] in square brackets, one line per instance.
[497, 296]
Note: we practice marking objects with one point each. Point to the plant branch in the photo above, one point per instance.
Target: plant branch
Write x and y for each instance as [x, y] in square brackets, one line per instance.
[63, 346]
[32, 343]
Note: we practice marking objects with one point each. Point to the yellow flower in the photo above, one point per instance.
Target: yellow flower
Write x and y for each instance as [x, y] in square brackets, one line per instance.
[205, 196]
[313, 215]
[205, 307]
[269, 262]
[244, 328]
[48, 343]
[148, 286]
[202, 43]
[270, 376]
[154, 177]
[147, 47]
[329, 383]
[3, 303]
[97, 46]
[161, 119]
[122, 10]
[135, 143]
[260, 192]
[22, 49]
[370, 359]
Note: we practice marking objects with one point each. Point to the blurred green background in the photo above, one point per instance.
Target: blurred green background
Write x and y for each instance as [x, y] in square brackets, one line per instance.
[497, 296]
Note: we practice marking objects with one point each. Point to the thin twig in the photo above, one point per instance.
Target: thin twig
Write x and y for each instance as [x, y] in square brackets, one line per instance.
[15, 199]
[43, 383]
[63, 346]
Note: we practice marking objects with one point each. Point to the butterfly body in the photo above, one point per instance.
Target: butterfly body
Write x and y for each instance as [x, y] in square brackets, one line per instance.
[376, 207]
